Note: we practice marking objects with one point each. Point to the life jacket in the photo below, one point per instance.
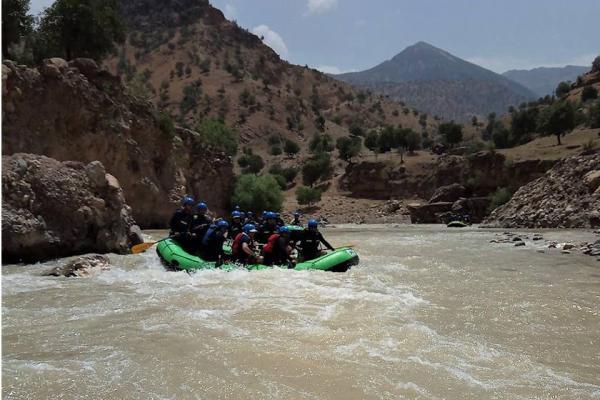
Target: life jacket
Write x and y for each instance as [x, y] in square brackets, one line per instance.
[236, 247]
[270, 246]
[208, 233]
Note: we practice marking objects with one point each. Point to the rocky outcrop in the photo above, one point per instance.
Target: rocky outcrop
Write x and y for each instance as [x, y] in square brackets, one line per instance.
[54, 209]
[78, 111]
[567, 196]
[431, 213]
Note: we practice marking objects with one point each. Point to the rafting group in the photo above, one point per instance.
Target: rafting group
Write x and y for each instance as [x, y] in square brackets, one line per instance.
[246, 239]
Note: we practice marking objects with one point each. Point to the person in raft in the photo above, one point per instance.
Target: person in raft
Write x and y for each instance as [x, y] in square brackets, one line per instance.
[242, 249]
[278, 250]
[296, 221]
[311, 239]
[268, 228]
[200, 224]
[235, 225]
[212, 242]
[181, 222]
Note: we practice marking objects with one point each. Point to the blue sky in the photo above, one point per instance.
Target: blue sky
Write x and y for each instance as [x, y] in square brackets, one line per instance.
[349, 35]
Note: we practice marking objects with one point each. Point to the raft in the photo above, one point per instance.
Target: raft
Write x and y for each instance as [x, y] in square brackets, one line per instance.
[174, 257]
[456, 224]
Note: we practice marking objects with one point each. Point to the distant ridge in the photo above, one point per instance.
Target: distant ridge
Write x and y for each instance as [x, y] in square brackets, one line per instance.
[435, 81]
[542, 81]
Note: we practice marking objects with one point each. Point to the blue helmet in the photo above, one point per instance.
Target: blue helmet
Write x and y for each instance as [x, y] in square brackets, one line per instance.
[202, 206]
[296, 214]
[270, 215]
[187, 200]
[250, 214]
[284, 229]
[236, 214]
[237, 207]
[313, 223]
[249, 228]
[222, 224]
[242, 214]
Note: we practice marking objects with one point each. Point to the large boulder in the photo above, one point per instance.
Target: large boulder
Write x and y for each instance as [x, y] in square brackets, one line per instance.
[567, 196]
[451, 192]
[429, 213]
[55, 209]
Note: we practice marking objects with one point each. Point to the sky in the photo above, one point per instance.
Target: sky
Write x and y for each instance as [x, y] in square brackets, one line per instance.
[352, 35]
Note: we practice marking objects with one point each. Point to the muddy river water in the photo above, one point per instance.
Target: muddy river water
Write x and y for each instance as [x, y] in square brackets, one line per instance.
[430, 313]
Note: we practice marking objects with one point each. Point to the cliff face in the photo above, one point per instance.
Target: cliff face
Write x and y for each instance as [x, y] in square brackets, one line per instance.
[76, 111]
[567, 196]
[481, 173]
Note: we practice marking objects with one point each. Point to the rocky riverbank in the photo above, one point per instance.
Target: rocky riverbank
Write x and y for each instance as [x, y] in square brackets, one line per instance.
[567, 196]
[56, 209]
[539, 242]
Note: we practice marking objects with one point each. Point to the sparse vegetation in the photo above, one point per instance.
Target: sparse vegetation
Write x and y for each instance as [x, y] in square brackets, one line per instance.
[308, 196]
[589, 93]
[348, 147]
[451, 132]
[317, 168]
[290, 147]
[215, 133]
[498, 198]
[251, 163]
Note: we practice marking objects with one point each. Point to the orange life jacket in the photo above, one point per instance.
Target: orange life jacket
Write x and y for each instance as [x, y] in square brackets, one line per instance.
[270, 246]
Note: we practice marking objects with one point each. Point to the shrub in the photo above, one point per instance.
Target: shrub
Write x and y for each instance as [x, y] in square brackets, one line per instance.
[275, 150]
[348, 147]
[165, 123]
[318, 167]
[372, 142]
[523, 123]
[307, 196]
[215, 133]
[589, 93]
[557, 119]
[256, 193]
[251, 163]
[562, 89]
[356, 129]
[412, 140]
[273, 140]
[290, 147]
[281, 181]
[501, 136]
[498, 198]
[320, 144]
[594, 115]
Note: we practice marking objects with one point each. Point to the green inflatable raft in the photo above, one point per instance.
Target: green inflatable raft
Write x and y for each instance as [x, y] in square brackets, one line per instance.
[174, 257]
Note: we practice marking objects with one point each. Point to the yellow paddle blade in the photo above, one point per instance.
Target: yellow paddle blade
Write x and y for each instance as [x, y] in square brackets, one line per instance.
[140, 248]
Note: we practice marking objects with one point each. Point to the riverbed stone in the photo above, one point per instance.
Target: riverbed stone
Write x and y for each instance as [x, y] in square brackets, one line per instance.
[81, 266]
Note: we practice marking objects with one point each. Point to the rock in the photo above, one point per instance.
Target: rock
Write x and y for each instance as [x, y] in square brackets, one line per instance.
[565, 252]
[475, 207]
[537, 238]
[53, 210]
[520, 244]
[568, 246]
[81, 266]
[448, 193]
[97, 174]
[567, 196]
[428, 213]
[86, 66]
[517, 239]
[53, 67]
[135, 235]
[592, 180]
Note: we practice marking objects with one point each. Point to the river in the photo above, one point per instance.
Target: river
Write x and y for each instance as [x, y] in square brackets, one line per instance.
[430, 313]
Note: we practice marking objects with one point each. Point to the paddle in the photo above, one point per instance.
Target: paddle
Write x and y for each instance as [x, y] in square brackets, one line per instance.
[140, 248]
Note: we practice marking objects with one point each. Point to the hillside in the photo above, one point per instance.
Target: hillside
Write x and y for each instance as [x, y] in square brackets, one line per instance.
[198, 65]
[543, 81]
[439, 83]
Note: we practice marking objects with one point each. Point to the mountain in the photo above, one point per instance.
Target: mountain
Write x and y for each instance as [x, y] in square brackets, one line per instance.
[542, 81]
[196, 64]
[435, 81]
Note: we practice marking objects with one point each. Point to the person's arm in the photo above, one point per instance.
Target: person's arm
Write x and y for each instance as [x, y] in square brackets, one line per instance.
[325, 242]
[246, 249]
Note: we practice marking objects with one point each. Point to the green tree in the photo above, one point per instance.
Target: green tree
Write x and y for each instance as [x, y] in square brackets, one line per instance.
[251, 163]
[348, 147]
[589, 93]
[489, 129]
[558, 119]
[562, 89]
[321, 144]
[256, 193]
[498, 198]
[290, 147]
[501, 136]
[524, 122]
[413, 141]
[320, 123]
[215, 133]
[596, 64]
[275, 150]
[594, 115]
[372, 142]
[16, 23]
[307, 196]
[315, 168]
[451, 132]
[80, 28]
[356, 129]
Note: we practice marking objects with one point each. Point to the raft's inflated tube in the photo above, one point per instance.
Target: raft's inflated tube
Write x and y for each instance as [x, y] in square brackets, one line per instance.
[173, 256]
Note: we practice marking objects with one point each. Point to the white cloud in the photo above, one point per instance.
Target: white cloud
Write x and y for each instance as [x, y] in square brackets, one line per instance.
[229, 11]
[272, 39]
[321, 6]
[332, 69]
